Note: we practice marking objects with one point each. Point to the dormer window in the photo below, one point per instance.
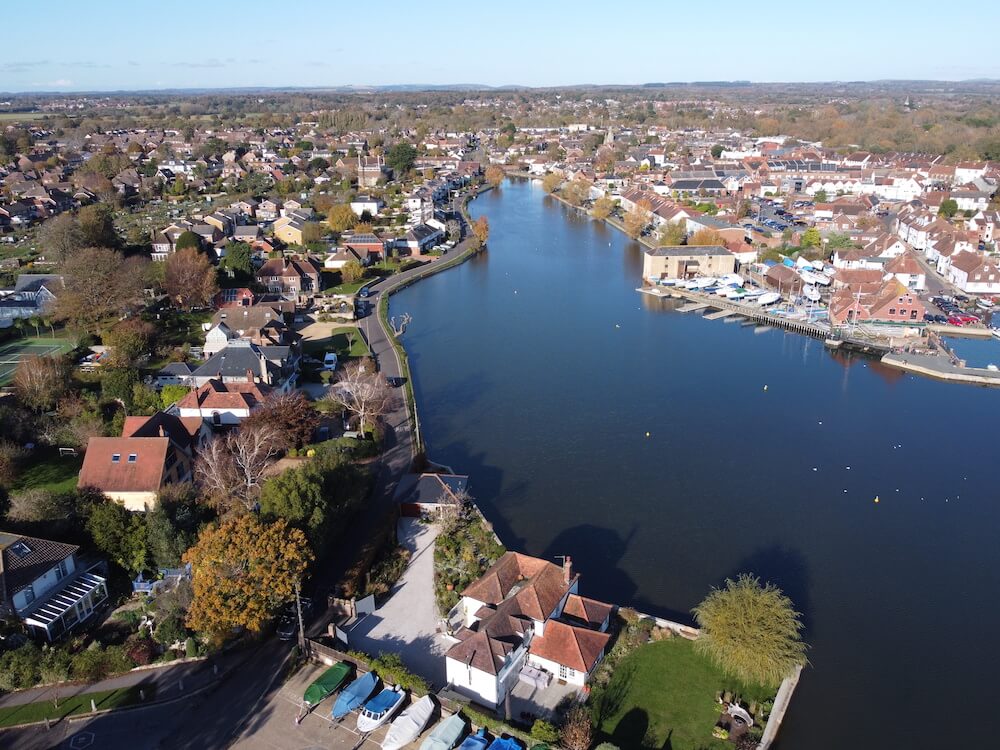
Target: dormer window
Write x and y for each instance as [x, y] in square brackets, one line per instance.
[132, 458]
[116, 458]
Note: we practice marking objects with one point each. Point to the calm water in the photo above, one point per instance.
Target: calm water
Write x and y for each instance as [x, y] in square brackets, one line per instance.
[539, 370]
[976, 352]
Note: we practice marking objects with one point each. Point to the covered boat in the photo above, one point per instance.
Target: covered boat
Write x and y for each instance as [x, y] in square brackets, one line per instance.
[380, 709]
[475, 741]
[768, 299]
[505, 743]
[354, 695]
[327, 683]
[406, 727]
[446, 734]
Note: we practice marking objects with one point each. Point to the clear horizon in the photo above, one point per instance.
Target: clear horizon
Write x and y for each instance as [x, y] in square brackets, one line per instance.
[222, 45]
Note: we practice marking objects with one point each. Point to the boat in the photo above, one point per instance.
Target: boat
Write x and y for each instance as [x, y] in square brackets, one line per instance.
[733, 279]
[380, 709]
[406, 727]
[753, 294]
[737, 294]
[768, 299]
[984, 304]
[446, 734]
[475, 741]
[505, 743]
[811, 293]
[354, 695]
[326, 684]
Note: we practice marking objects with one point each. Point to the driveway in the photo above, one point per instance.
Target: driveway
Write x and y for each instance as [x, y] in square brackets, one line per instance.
[407, 622]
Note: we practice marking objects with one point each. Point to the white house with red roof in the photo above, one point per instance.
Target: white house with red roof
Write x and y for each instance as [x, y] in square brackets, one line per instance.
[523, 620]
[223, 403]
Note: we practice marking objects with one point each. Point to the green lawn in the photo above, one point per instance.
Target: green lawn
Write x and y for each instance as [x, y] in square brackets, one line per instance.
[80, 704]
[338, 342]
[49, 471]
[663, 695]
[351, 288]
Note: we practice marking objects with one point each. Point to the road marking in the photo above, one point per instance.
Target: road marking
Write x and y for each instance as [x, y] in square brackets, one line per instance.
[81, 740]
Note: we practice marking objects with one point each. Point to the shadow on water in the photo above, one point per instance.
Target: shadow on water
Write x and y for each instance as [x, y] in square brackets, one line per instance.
[787, 569]
[597, 553]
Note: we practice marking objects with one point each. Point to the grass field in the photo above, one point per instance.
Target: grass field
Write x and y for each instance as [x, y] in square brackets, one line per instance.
[47, 470]
[18, 116]
[338, 342]
[12, 352]
[664, 696]
[80, 704]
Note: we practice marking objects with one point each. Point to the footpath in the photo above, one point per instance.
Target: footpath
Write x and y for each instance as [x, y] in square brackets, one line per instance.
[159, 684]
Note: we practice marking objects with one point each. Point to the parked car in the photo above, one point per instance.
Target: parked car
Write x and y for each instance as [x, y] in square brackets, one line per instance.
[287, 627]
[330, 361]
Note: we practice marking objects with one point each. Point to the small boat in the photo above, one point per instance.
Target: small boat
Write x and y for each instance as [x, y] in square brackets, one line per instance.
[406, 727]
[768, 299]
[380, 709]
[733, 279]
[984, 304]
[446, 734]
[995, 332]
[354, 695]
[475, 741]
[753, 294]
[326, 684]
[505, 743]
[737, 294]
[811, 293]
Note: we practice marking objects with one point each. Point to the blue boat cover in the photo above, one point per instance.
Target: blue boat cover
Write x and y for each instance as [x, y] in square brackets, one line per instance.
[505, 743]
[384, 700]
[354, 695]
[474, 741]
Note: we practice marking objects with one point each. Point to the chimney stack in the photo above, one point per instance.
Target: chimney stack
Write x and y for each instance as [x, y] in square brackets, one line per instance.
[249, 375]
[567, 569]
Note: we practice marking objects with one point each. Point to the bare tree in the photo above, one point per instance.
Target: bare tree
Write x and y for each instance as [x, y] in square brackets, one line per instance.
[363, 392]
[39, 504]
[231, 469]
[40, 382]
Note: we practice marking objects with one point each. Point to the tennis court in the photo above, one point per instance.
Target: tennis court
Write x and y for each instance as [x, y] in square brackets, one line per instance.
[14, 351]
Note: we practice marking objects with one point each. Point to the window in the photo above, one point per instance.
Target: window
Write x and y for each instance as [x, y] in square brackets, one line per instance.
[61, 570]
[563, 672]
[116, 458]
[892, 310]
[29, 594]
[132, 458]
[20, 548]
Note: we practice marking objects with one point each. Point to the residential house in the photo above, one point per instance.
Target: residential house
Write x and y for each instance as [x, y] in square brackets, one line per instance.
[223, 404]
[974, 273]
[420, 238]
[151, 453]
[33, 296]
[419, 494]
[290, 277]
[906, 269]
[524, 616]
[367, 203]
[275, 366]
[890, 302]
[44, 585]
[234, 297]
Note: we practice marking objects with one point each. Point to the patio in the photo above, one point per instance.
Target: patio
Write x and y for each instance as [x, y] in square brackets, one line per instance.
[528, 702]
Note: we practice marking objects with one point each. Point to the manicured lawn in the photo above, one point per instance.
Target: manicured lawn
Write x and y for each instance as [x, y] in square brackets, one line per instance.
[49, 471]
[338, 342]
[80, 704]
[666, 690]
[351, 288]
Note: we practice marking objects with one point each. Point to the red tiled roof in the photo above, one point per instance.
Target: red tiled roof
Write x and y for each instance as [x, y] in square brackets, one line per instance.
[144, 474]
[576, 648]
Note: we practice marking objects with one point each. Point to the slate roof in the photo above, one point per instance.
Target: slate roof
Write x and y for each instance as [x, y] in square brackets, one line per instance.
[684, 250]
[430, 489]
[25, 558]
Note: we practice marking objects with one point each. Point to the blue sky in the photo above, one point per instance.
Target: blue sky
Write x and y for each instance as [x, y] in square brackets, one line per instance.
[113, 44]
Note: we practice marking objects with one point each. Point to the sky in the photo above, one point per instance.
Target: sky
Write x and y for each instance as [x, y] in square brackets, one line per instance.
[109, 45]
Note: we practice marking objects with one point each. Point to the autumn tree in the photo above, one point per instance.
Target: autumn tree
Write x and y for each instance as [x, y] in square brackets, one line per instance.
[129, 340]
[602, 208]
[673, 233]
[577, 731]
[637, 219]
[751, 630]
[363, 392]
[707, 237]
[351, 271]
[341, 217]
[230, 469]
[99, 286]
[495, 175]
[97, 226]
[60, 237]
[551, 182]
[811, 238]
[243, 570]
[189, 278]
[40, 381]
[576, 191]
[290, 415]
[481, 230]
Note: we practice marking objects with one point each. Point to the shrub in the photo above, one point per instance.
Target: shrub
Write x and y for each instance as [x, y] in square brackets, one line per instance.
[606, 746]
[94, 663]
[190, 648]
[577, 731]
[392, 670]
[20, 668]
[543, 731]
[141, 650]
[388, 569]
